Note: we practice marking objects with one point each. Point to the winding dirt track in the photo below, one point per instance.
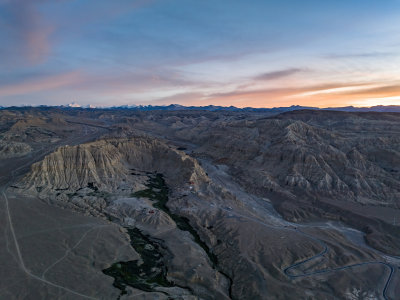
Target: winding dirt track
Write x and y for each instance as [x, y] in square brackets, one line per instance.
[324, 271]
[224, 181]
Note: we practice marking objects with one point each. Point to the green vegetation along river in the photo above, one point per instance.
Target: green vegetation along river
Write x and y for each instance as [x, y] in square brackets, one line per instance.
[157, 191]
[152, 273]
[145, 275]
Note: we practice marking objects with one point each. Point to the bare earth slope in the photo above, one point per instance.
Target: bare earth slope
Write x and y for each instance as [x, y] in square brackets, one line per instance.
[319, 169]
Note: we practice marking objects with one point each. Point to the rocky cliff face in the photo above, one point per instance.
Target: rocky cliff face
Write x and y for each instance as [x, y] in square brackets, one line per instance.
[105, 167]
[71, 168]
[296, 157]
[316, 167]
[112, 178]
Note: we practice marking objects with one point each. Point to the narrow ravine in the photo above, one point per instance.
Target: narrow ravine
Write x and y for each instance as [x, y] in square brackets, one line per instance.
[151, 274]
[147, 275]
[157, 191]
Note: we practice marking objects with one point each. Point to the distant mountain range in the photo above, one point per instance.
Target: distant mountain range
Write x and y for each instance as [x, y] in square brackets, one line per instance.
[174, 107]
[377, 108]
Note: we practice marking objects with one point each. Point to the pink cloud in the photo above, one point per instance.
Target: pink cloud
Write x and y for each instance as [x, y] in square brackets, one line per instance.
[41, 84]
[38, 43]
[29, 33]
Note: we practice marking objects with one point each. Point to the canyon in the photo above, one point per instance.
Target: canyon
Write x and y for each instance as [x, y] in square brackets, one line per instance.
[195, 204]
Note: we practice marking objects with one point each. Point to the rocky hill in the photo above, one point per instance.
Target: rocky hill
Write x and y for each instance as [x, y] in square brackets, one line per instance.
[109, 165]
[315, 165]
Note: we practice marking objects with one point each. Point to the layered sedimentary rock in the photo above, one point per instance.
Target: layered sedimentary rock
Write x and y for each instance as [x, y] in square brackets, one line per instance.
[314, 167]
[106, 163]
[292, 156]
[102, 179]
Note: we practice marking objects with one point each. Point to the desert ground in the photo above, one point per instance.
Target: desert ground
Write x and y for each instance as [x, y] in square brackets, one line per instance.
[121, 204]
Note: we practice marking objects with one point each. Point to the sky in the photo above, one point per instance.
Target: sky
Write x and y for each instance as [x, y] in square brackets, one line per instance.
[258, 53]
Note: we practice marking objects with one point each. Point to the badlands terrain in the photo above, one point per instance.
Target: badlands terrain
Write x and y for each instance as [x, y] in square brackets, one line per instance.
[195, 204]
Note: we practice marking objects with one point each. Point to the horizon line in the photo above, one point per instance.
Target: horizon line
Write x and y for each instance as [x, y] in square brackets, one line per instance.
[132, 106]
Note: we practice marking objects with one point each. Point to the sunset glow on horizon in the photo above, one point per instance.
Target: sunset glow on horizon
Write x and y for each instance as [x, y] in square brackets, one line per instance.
[159, 52]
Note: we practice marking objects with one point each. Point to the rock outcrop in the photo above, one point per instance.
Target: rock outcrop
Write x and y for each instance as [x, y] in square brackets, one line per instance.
[13, 149]
[105, 167]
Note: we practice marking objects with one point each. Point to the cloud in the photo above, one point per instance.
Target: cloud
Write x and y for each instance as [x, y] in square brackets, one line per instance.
[359, 55]
[289, 90]
[378, 91]
[188, 99]
[310, 95]
[104, 84]
[125, 82]
[320, 95]
[27, 32]
[277, 74]
[41, 84]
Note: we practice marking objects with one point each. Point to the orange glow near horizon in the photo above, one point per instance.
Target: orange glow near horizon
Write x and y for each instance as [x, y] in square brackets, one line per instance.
[323, 98]
[252, 94]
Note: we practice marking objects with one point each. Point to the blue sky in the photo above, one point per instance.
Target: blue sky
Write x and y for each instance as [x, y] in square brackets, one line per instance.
[242, 53]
